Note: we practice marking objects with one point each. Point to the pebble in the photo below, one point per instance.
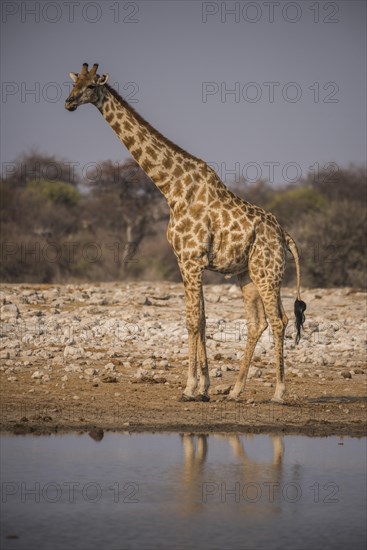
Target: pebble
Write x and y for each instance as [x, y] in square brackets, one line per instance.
[215, 373]
[85, 334]
[222, 389]
[9, 312]
[109, 367]
[109, 379]
[149, 363]
[346, 374]
[141, 373]
[91, 371]
[254, 372]
[74, 352]
[73, 368]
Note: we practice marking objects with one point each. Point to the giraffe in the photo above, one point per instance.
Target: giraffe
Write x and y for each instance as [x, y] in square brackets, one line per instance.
[209, 228]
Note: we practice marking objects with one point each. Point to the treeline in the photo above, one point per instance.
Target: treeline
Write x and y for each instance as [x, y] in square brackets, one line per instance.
[111, 224]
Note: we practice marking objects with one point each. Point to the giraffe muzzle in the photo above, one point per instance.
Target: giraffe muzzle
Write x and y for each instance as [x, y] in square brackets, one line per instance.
[70, 106]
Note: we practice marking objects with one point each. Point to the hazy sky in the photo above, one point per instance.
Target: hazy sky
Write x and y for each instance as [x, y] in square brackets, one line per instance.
[265, 88]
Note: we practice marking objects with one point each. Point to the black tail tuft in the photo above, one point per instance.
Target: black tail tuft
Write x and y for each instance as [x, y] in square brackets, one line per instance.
[299, 308]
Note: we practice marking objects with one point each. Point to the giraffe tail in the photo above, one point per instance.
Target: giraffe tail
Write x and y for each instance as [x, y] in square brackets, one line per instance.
[299, 305]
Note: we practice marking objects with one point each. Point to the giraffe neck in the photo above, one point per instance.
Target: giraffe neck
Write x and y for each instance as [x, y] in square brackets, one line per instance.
[172, 169]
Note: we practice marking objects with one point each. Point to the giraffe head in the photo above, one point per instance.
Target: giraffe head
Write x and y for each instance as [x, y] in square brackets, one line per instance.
[87, 87]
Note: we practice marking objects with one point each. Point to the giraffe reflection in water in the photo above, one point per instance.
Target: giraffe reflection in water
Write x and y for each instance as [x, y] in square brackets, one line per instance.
[254, 485]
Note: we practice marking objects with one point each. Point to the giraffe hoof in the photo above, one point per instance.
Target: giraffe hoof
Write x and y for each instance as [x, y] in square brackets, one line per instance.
[202, 397]
[278, 400]
[232, 397]
[186, 398]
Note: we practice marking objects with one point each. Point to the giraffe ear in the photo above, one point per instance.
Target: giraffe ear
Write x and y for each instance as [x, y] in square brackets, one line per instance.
[74, 76]
[102, 79]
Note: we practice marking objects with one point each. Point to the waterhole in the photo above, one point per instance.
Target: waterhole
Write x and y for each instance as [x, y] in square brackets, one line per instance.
[170, 491]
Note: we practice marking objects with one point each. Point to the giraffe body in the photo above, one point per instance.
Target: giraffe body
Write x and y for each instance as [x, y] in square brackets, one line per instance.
[209, 228]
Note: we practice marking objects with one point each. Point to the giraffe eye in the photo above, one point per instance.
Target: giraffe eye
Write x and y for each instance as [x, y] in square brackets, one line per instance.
[91, 87]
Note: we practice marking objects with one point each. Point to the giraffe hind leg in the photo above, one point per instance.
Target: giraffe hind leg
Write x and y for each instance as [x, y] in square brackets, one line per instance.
[278, 321]
[256, 324]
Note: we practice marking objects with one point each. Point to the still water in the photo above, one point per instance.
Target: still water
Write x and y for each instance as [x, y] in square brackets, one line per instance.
[163, 491]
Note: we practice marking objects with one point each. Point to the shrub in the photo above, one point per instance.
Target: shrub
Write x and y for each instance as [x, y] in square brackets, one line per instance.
[57, 192]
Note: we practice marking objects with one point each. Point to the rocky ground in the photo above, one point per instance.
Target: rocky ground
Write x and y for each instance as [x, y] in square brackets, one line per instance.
[114, 356]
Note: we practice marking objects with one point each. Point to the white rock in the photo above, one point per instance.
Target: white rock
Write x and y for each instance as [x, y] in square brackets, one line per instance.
[222, 389]
[91, 372]
[37, 374]
[73, 351]
[98, 356]
[140, 373]
[215, 373]
[9, 311]
[73, 368]
[254, 372]
[149, 363]
[233, 289]
[109, 367]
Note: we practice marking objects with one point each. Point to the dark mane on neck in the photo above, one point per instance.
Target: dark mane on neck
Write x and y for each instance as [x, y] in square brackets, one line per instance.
[150, 128]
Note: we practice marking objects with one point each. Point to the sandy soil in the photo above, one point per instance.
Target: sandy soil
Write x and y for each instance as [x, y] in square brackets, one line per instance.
[114, 356]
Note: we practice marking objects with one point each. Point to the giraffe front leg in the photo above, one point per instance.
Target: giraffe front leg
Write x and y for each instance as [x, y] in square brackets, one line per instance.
[189, 393]
[195, 323]
[204, 381]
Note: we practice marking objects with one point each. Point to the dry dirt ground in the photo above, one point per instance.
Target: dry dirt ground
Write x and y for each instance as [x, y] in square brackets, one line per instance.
[114, 356]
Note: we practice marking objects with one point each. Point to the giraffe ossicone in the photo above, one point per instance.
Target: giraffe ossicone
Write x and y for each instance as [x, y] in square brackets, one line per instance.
[209, 228]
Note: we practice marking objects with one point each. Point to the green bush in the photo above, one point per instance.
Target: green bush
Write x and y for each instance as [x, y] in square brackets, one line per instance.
[326, 217]
[57, 192]
[288, 205]
[333, 246]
